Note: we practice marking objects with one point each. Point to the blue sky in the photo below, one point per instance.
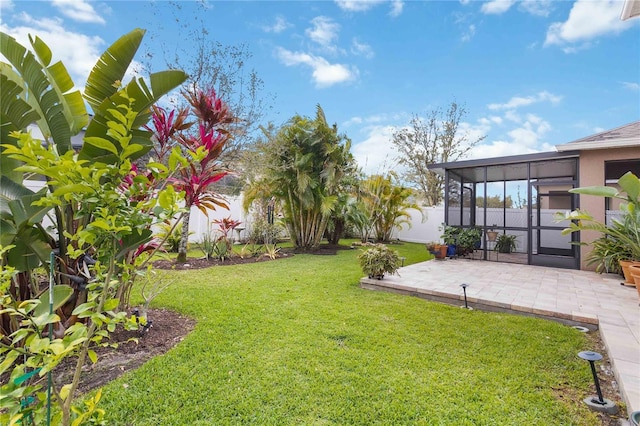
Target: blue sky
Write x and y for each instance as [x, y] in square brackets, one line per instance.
[532, 73]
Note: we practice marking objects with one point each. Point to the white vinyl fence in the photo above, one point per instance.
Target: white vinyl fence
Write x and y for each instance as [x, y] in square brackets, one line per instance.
[423, 227]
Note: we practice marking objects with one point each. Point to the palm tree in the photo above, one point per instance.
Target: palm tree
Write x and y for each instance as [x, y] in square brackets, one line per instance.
[304, 163]
[387, 205]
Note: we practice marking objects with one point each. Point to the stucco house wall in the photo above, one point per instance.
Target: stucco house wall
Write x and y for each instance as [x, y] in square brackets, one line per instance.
[592, 173]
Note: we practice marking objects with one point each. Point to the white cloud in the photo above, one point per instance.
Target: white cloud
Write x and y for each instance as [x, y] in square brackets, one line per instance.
[634, 87]
[352, 121]
[375, 154]
[363, 5]
[6, 5]
[496, 7]
[324, 73]
[471, 31]
[524, 139]
[587, 20]
[78, 10]
[377, 118]
[278, 26]
[357, 5]
[396, 8]
[324, 31]
[512, 116]
[499, 148]
[536, 7]
[518, 101]
[361, 49]
[465, 2]
[79, 60]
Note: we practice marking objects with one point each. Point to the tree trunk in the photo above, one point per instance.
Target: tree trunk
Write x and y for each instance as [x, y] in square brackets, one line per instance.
[184, 238]
[338, 230]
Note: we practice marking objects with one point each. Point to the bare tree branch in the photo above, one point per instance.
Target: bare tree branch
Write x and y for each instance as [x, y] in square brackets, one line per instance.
[434, 139]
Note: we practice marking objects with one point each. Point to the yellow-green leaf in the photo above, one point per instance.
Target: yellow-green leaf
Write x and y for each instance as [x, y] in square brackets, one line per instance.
[64, 392]
[92, 356]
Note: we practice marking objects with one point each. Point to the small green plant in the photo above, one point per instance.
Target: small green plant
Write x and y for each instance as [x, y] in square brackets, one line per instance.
[271, 251]
[505, 243]
[450, 235]
[468, 240]
[378, 260]
[170, 233]
[208, 245]
[249, 250]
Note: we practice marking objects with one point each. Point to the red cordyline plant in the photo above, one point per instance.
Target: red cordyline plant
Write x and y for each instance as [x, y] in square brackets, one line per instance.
[203, 146]
[226, 225]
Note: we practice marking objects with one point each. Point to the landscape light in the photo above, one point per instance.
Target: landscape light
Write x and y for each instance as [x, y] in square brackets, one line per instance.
[464, 290]
[597, 403]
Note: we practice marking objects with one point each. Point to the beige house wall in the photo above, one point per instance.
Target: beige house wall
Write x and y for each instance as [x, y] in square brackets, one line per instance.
[591, 173]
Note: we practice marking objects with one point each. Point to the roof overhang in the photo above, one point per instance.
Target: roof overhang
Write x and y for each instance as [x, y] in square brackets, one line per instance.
[498, 161]
[630, 9]
[591, 145]
[542, 165]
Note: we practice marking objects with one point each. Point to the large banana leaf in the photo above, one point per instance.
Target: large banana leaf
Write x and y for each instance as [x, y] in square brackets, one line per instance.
[15, 114]
[61, 293]
[44, 91]
[102, 92]
[73, 106]
[31, 249]
[10, 191]
[18, 220]
[161, 83]
[111, 67]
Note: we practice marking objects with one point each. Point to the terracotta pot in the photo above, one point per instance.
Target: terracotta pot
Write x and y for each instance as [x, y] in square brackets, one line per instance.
[492, 235]
[442, 252]
[624, 264]
[634, 270]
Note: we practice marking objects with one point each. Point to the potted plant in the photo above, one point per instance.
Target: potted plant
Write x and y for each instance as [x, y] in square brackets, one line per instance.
[505, 243]
[468, 240]
[492, 234]
[437, 249]
[378, 260]
[450, 236]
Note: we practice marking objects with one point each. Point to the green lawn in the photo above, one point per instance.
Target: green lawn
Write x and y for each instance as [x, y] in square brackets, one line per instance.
[296, 341]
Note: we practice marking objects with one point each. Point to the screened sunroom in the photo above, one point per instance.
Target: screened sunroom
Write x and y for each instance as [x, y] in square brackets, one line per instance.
[515, 198]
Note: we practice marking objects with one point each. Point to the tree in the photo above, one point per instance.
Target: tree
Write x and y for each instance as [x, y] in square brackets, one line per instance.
[386, 205]
[103, 211]
[203, 148]
[304, 164]
[436, 139]
[214, 66]
[495, 201]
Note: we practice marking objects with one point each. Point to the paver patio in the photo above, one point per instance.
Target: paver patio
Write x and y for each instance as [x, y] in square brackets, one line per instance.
[570, 296]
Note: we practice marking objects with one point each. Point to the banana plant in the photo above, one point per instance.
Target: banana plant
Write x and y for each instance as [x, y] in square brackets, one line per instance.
[21, 226]
[46, 88]
[35, 90]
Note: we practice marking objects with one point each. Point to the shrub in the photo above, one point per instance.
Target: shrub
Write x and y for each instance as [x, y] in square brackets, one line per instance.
[378, 260]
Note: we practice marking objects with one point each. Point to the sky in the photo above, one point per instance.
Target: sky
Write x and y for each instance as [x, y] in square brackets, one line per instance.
[531, 74]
